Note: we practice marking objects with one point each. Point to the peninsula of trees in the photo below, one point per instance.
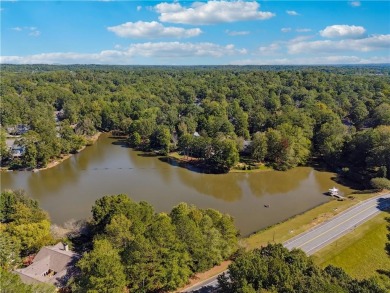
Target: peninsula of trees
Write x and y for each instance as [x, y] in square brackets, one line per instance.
[279, 116]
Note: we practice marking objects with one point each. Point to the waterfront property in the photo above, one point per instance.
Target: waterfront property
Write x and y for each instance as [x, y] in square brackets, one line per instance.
[69, 189]
[52, 265]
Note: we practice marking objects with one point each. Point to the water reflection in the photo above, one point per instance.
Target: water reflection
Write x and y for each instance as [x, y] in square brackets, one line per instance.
[70, 189]
[225, 187]
[277, 182]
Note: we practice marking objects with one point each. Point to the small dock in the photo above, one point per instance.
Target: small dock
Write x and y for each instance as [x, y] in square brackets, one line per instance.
[334, 192]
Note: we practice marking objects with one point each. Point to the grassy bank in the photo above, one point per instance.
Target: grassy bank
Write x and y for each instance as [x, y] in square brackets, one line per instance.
[360, 253]
[283, 231]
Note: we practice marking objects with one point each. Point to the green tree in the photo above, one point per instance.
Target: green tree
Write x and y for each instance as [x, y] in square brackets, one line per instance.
[381, 114]
[10, 248]
[32, 236]
[118, 231]
[4, 150]
[134, 139]
[224, 155]
[160, 139]
[330, 138]
[379, 154]
[276, 269]
[380, 183]
[101, 270]
[258, 147]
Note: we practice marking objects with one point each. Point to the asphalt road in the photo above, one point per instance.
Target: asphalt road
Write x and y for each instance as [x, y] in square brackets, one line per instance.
[324, 234]
[313, 240]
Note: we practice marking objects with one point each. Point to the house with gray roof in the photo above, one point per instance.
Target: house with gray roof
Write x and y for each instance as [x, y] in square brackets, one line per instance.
[53, 265]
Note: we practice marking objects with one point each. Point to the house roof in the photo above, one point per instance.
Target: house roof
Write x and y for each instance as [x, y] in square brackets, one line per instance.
[10, 142]
[54, 259]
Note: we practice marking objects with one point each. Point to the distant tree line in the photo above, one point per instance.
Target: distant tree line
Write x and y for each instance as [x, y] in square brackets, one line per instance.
[280, 116]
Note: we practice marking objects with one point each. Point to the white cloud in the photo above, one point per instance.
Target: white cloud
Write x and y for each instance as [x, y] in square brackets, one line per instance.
[237, 33]
[179, 50]
[35, 33]
[325, 60]
[271, 49]
[377, 42]
[169, 7]
[162, 50]
[139, 8]
[303, 30]
[211, 12]
[343, 31]
[292, 12]
[355, 3]
[285, 29]
[151, 30]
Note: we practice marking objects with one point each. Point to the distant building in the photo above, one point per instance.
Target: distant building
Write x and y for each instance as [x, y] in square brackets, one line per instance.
[17, 151]
[59, 115]
[245, 147]
[53, 265]
[10, 142]
[18, 129]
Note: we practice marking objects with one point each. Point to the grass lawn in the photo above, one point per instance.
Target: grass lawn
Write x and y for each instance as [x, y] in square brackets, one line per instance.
[300, 223]
[360, 253]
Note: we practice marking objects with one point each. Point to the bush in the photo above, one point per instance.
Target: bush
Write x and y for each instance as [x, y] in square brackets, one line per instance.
[380, 183]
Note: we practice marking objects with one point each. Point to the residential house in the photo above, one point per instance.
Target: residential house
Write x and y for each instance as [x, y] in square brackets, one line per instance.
[53, 265]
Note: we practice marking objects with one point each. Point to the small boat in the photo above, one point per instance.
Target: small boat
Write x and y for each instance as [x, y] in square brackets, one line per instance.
[266, 205]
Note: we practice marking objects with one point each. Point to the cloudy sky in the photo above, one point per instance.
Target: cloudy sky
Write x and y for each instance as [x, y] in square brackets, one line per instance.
[195, 33]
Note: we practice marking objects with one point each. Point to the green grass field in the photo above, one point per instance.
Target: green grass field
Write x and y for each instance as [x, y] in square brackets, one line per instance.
[361, 253]
[300, 223]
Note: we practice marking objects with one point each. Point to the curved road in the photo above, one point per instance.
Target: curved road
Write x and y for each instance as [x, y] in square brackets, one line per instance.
[313, 240]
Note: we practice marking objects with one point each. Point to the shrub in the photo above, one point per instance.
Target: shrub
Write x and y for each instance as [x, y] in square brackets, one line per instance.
[380, 183]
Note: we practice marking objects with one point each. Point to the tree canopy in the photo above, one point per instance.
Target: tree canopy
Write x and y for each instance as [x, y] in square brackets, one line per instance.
[276, 269]
[300, 112]
[154, 251]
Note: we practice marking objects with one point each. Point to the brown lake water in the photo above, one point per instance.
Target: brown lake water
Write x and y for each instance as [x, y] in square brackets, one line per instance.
[70, 189]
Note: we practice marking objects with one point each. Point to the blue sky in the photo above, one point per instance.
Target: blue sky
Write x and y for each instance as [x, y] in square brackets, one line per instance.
[195, 33]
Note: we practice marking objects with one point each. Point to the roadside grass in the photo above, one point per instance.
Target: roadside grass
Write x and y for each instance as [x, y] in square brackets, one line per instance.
[360, 253]
[281, 232]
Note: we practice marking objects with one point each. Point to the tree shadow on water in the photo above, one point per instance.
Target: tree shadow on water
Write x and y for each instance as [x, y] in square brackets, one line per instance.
[121, 143]
[191, 166]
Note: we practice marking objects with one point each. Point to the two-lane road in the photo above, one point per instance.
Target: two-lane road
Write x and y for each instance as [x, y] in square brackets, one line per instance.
[323, 234]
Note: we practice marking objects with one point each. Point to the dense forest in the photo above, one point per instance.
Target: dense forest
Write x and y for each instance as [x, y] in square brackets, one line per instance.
[278, 116]
[127, 247]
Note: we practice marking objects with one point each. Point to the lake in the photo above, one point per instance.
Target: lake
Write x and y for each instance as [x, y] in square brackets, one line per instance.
[69, 189]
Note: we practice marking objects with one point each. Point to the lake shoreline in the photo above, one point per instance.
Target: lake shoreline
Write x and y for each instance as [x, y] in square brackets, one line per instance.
[197, 163]
[91, 140]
